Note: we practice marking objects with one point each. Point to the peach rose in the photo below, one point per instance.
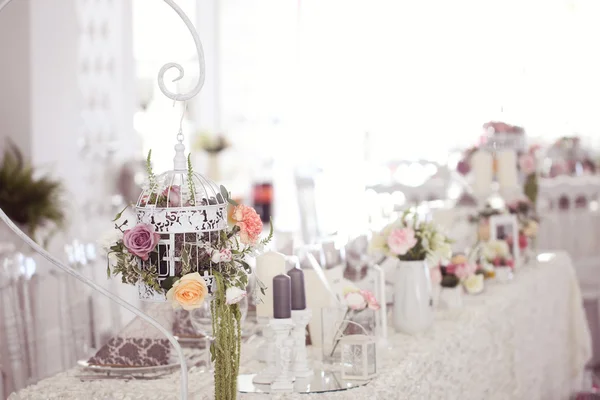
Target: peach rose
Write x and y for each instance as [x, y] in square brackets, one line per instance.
[249, 223]
[188, 292]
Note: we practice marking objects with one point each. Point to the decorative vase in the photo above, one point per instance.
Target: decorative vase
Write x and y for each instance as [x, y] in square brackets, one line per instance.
[413, 303]
[451, 298]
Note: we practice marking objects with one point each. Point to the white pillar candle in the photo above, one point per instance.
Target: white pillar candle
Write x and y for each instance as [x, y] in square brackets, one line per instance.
[482, 165]
[268, 265]
[507, 169]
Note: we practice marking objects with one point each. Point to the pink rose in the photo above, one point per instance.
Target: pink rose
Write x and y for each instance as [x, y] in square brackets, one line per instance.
[173, 195]
[141, 240]
[355, 301]
[223, 255]
[249, 223]
[436, 275]
[463, 271]
[527, 164]
[372, 302]
[401, 240]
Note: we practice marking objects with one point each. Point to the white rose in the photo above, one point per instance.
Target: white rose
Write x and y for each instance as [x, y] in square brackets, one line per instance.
[234, 295]
[531, 229]
[109, 239]
[474, 284]
[495, 248]
[355, 301]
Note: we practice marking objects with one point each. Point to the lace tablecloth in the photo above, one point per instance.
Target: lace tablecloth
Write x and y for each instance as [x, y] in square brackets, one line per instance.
[527, 339]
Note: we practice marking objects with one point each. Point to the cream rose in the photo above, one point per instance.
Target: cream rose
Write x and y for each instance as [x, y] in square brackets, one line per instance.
[531, 229]
[188, 292]
[474, 284]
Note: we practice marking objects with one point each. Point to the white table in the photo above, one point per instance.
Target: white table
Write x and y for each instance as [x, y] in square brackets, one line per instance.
[527, 339]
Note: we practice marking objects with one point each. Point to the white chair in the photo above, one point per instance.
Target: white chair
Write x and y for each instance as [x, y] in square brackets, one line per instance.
[570, 221]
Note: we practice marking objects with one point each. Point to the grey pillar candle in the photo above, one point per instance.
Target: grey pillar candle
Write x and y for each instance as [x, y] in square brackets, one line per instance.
[282, 297]
[298, 293]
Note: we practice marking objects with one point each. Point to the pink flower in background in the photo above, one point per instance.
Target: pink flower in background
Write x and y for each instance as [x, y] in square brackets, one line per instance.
[141, 240]
[173, 195]
[436, 275]
[463, 271]
[401, 240]
[356, 301]
[523, 241]
[372, 302]
[527, 164]
[249, 222]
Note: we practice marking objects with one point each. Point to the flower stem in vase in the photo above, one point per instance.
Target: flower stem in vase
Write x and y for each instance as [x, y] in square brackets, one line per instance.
[340, 333]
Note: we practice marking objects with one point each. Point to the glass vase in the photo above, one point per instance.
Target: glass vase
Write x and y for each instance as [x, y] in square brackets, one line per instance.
[341, 321]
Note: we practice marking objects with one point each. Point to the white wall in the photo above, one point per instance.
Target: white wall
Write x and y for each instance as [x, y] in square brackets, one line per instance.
[14, 75]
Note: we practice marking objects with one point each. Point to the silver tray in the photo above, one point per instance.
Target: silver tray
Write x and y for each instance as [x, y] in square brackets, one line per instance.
[321, 382]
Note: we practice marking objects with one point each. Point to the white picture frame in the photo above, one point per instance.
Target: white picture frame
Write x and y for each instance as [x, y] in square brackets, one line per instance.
[503, 226]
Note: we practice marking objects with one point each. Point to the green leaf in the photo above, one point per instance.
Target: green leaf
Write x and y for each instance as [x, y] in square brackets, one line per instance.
[246, 266]
[213, 356]
[121, 213]
[169, 282]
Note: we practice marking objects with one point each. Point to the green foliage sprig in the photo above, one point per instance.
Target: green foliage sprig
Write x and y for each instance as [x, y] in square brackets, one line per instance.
[28, 201]
[190, 179]
[225, 350]
[151, 176]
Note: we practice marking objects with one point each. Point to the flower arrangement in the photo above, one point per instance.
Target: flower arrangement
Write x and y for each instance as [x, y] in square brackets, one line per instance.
[216, 255]
[528, 167]
[31, 202]
[502, 127]
[411, 240]
[528, 220]
[463, 271]
[356, 301]
[496, 253]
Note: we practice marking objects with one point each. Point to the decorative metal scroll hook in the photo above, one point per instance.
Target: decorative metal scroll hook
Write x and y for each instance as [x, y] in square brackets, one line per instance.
[166, 67]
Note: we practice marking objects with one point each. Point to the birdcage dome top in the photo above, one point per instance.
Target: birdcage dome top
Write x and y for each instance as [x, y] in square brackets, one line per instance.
[180, 189]
[182, 201]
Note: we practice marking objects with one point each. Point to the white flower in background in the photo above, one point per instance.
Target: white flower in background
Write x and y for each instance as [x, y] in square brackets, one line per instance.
[441, 254]
[355, 301]
[496, 248]
[234, 295]
[109, 239]
[474, 284]
[223, 255]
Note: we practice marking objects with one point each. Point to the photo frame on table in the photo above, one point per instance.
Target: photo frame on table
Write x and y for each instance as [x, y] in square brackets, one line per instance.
[504, 227]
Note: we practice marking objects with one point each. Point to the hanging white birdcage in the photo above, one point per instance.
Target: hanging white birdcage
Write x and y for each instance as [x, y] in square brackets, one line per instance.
[189, 212]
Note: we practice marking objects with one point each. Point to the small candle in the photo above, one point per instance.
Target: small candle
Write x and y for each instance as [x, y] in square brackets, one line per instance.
[268, 265]
[282, 297]
[298, 293]
[482, 165]
[507, 169]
